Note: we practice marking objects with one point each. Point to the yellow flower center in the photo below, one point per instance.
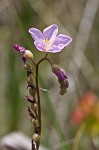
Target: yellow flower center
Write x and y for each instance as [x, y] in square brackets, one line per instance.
[47, 41]
[47, 44]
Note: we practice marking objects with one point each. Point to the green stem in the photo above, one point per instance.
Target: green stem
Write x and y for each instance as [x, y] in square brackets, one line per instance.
[78, 136]
[46, 55]
[33, 62]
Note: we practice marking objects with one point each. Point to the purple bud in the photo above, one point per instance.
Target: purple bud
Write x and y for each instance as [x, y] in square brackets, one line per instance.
[37, 129]
[30, 113]
[62, 78]
[19, 48]
[33, 145]
[27, 53]
[24, 60]
[30, 99]
[60, 73]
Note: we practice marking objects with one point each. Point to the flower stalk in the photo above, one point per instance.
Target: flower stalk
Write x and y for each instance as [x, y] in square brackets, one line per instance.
[38, 95]
[48, 41]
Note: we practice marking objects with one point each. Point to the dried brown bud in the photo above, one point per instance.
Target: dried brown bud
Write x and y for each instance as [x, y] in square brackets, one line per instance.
[64, 83]
[34, 121]
[27, 67]
[30, 99]
[62, 90]
[32, 91]
[35, 107]
[30, 80]
[30, 112]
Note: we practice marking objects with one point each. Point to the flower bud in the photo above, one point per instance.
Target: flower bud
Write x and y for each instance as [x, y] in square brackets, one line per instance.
[64, 83]
[35, 107]
[30, 112]
[60, 73]
[27, 67]
[62, 91]
[33, 145]
[30, 99]
[37, 129]
[34, 121]
[36, 137]
[62, 78]
[29, 80]
[24, 60]
[32, 91]
[19, 48]
[55, 69]
[28, 54]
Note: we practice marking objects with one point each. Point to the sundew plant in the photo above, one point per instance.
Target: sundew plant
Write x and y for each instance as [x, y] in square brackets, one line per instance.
[46, 42]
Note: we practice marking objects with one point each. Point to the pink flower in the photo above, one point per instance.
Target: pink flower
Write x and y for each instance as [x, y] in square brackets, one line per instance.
[77, 116]
[85, 108]
[49, 41]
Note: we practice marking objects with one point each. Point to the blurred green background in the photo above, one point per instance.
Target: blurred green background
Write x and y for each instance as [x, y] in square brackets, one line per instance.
[78, 19]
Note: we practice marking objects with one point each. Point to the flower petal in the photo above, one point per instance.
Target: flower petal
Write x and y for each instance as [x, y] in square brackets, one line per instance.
[36, 34]
[50, 32]
[40, 45]
[60, 42]
[55, 49]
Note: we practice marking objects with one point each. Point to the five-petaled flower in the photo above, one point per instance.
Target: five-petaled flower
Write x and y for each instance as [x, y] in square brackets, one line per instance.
[48, 41]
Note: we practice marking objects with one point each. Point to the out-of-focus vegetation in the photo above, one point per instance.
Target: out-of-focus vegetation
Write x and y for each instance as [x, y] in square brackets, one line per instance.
[79, 19]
